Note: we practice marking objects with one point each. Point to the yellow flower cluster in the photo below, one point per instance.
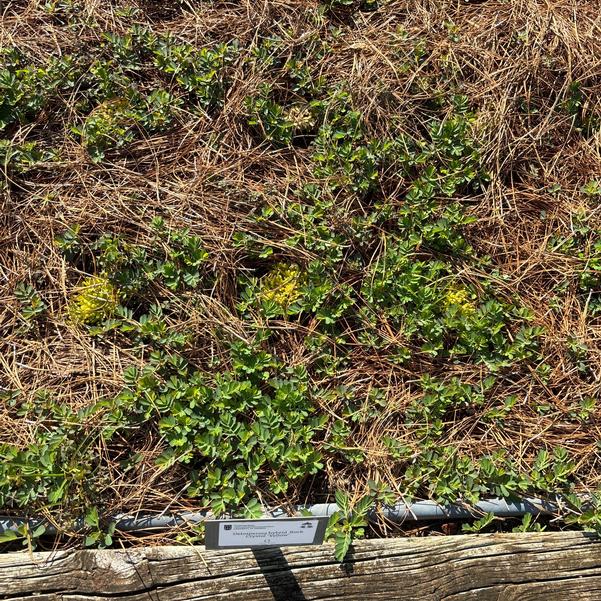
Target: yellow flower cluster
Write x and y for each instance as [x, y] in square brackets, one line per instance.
[460, 298]
[95, 299]
[282, 284]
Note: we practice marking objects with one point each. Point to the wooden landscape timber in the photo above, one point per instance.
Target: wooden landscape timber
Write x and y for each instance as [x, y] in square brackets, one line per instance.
[499, 567]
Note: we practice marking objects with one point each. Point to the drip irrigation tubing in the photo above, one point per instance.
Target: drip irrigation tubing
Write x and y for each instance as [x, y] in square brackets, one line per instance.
[400, 512]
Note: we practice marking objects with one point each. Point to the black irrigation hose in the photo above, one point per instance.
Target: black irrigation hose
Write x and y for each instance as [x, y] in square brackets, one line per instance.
[399, 513]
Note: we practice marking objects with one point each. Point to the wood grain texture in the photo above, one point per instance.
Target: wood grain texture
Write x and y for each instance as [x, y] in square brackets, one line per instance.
[553, 566]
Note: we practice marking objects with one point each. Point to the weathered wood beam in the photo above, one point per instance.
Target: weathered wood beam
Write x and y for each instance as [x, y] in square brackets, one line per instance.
[548, 566]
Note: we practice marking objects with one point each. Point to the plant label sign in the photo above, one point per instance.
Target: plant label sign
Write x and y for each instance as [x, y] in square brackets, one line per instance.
[276, 532]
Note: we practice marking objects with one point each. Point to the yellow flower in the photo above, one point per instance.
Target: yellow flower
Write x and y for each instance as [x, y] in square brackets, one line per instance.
[95, 299]
[459, 298]
[282, 284]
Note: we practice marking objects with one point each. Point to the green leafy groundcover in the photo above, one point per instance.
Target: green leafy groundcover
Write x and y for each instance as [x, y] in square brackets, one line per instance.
[257, 256]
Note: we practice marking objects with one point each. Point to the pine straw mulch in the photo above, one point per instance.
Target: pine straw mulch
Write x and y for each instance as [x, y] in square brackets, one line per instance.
[505, 54]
